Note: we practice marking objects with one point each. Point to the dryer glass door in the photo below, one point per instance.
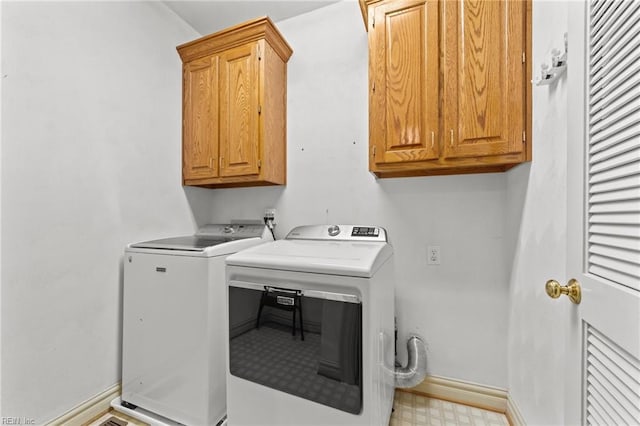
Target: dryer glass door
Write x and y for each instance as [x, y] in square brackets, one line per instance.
[305, 343]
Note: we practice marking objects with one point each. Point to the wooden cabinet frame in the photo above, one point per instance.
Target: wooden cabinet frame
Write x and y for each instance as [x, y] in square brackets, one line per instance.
[234, 107]
[484, 97]
[404, 82]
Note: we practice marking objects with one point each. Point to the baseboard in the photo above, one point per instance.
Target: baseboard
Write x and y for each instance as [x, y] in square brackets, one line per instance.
[472, 394]
[89, 409]
[513, 413]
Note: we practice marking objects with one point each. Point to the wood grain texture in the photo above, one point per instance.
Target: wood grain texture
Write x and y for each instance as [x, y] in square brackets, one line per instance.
[484, 107]
[273, 120]
[365, 13]
[403, 107]
[239, 142]
[528, 80]
[200, 112]
[254, 30]
[450, 166]
[483, 74]
[239, 104]
[482, 83]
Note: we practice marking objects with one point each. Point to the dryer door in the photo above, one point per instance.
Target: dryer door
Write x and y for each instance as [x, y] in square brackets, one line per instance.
[302, 342]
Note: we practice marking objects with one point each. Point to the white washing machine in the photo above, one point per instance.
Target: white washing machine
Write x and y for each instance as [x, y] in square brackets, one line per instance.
[310, 329]
[173, 365]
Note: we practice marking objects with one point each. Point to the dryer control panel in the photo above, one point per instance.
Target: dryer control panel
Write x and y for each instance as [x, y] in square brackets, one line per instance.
[365, 231]
[338, 233]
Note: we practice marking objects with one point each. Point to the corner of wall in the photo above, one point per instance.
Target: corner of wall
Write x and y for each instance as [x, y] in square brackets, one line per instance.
[1, 80]
[165, 6]
[513, 413]
[536, 233]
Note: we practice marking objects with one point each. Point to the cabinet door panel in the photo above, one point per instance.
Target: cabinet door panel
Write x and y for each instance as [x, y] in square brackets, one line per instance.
[200, 112]
[404, 69]
[239, 145]
[484, 77]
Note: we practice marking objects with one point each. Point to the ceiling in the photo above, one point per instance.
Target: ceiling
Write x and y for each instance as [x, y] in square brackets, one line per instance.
[213, 15]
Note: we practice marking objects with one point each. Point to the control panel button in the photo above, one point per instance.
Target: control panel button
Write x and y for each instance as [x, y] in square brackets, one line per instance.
[334, 230]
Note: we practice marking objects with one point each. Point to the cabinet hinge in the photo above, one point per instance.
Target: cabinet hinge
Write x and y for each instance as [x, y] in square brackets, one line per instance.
[451, 141]
[259, 53]
[259, 109]
[374, 151]
[374, 87]
[524, 57]
[259, 164]
[524, 136]
[221, 160]
[373, 21]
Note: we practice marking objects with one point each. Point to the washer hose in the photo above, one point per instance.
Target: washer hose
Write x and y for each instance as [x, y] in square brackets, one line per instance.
[416, 369]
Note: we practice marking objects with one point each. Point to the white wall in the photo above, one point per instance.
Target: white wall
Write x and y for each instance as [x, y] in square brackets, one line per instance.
[1, 82]
[90, 161]
[537, 209]
[459, 307]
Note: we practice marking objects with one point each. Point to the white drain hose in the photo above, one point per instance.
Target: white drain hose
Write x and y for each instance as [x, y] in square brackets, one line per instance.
[416, 369]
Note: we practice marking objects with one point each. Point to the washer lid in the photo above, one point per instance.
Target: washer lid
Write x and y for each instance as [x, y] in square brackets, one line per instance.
[349, 258]
[209, 235]
[185, 243]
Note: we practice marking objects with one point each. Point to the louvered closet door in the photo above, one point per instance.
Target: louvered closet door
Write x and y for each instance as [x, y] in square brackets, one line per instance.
[603, 365]
[614, 142]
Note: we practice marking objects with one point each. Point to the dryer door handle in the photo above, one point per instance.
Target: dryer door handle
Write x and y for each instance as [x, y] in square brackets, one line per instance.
[328, 295]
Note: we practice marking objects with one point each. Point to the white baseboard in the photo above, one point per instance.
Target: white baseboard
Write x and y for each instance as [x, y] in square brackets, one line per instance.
[513, 413]
[472, 394]
[89, 409]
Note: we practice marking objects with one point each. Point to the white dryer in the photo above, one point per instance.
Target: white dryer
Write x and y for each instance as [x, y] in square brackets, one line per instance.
[173, 366]
[310, 329]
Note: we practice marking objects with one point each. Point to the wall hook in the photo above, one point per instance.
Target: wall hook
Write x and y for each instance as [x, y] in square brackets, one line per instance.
[549, 75]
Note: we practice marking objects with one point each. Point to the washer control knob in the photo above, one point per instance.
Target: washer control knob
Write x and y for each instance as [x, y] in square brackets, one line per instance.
[334, 230]
[228, 229]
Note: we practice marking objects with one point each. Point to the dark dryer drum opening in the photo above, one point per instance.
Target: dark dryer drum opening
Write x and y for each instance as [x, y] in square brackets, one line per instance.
[310, 347]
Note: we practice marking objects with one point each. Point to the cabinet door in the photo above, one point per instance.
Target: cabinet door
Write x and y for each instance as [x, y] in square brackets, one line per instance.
[483, 71]
[403, 70]
[239, 111]
[200, 114]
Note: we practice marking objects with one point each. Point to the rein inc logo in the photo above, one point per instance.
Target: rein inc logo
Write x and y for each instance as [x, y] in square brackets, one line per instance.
[17, 421]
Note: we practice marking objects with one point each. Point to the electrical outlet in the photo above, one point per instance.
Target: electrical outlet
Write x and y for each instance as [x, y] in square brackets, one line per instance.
[270, 214]
[433, 255]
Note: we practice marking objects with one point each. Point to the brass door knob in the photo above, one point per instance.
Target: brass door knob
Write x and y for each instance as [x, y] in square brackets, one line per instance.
[572, 289]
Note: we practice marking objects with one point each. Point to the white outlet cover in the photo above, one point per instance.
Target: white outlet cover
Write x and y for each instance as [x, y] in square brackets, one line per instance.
[433, 255]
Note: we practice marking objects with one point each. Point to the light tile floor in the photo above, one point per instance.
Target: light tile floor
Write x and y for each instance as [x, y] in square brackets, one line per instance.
[417, 410]
[113, 413]
[409, 410]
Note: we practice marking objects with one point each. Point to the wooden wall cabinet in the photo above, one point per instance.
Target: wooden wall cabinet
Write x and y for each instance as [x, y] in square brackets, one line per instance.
[448, 86]
[234, 107]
